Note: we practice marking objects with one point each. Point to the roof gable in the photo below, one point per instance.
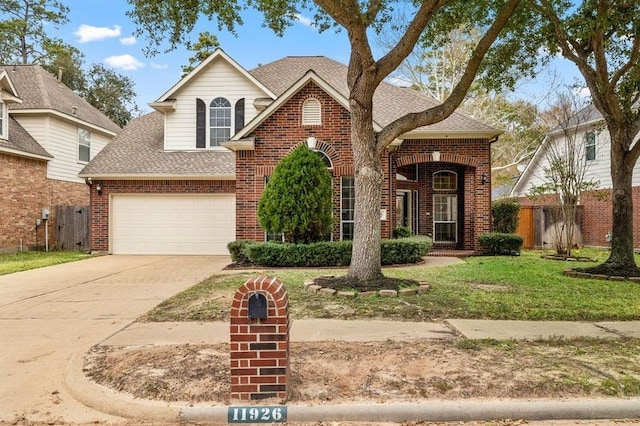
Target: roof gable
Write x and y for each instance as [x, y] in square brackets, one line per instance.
[40, 91]
[217, 55]
[390, 102]
[309, 76]
[8, 92]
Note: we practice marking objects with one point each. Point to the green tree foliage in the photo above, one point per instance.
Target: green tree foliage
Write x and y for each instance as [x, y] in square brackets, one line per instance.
[602, 38]
[505, 216]
[66, 62]
[23, 38]
[499, 56]
[203, 48]
[111, 93]
[297, 200]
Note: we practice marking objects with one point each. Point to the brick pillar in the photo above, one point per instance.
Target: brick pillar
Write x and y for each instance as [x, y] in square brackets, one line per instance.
[260, 347]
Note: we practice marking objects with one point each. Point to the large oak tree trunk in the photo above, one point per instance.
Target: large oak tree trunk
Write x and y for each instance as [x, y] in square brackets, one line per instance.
[621, 260]
[368, 176]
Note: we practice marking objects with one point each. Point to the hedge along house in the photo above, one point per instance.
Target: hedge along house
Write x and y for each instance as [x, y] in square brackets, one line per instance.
[187, 179]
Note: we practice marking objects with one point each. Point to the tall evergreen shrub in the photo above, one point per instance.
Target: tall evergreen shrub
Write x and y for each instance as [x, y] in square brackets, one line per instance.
[297, 200]
[505, 216]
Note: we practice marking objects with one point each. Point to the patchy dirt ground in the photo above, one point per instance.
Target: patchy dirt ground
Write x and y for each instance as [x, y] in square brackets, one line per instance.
[341, 372]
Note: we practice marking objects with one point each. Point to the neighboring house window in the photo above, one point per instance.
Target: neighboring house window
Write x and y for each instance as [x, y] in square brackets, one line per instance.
[3, 121]
[445, 207]
[590, 146]
[201, 124]
[219, 121]
[311, 112]
[347, 207]
[84, 145]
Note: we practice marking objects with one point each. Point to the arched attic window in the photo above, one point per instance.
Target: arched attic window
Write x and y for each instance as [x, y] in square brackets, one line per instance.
[311, 112]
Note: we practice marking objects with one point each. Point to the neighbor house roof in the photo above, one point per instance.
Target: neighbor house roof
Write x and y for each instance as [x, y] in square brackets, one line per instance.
[389, 103]
[138, 153]
[21, 143]
[40, 91]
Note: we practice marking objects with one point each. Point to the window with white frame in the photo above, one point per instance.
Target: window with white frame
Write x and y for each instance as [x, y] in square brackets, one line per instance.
[347, 207]
[84, 145]
[590, 144]
[219, 121]
[445, 207]
[311, 112]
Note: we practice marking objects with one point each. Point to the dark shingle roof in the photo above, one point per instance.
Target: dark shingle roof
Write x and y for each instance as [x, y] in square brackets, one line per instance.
[138, 150]
[38, 89]
[390, 102]
[21, 140]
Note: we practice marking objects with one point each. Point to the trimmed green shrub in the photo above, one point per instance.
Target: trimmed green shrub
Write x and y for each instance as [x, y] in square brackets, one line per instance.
[405, 250]
[496, 243]
[236, 250]
[332, 253]
[401, 232]
[297, 200]
[505, 216]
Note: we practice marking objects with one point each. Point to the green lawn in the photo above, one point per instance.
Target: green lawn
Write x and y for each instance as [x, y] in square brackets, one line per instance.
[516, 288]
[16, 262]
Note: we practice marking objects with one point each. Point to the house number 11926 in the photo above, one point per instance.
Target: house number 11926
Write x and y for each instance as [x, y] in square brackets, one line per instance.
[275, 414]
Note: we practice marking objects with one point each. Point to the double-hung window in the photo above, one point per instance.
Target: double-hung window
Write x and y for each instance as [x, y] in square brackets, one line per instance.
[347, 207]
[84, 145]
[590, 144]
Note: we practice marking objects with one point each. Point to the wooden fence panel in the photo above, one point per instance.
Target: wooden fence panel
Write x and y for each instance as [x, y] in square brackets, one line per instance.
[526, 228]
[72, 227]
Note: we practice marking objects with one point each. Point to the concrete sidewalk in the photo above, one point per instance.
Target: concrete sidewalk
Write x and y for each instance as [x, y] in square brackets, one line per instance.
[309, 330]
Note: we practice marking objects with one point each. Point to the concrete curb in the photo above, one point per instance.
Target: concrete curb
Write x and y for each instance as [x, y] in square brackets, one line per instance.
[108, 401]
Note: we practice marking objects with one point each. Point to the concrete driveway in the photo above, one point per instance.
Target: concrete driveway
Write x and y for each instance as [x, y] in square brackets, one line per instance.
[48, 315]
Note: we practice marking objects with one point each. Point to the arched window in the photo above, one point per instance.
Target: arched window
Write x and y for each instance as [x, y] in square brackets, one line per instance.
[311, 112]
[219, 121]
[325, 159]
[445, 181]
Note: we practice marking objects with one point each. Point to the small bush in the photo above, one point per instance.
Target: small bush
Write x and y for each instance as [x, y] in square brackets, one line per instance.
[405, 250]
[236, 249]
[496, 243]
[329, 253]
[505, 216]
[401, 232]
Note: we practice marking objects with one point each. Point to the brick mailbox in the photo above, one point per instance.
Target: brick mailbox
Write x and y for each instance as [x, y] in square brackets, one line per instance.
[259, 336]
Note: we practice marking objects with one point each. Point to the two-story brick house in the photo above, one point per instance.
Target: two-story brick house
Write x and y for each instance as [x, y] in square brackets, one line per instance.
[47, 135]
[187, 179]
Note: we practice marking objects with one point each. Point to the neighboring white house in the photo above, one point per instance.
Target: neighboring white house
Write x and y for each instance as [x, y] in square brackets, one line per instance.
[47, 135]
[587, 131]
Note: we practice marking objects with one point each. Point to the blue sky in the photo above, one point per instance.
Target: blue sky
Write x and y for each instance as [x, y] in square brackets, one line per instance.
[102, 31]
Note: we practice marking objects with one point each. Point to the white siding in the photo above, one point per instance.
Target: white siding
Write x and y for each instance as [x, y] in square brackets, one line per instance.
[599, 170]
[60, 139]
[219, 79]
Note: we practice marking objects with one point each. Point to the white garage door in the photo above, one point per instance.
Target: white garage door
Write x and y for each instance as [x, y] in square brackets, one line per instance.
[172, 224]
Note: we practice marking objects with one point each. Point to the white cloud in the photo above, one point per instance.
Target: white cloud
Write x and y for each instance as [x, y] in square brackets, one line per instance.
[87, 33]
[125, 62]
[128, 41]
[159, 66]
[305, 20]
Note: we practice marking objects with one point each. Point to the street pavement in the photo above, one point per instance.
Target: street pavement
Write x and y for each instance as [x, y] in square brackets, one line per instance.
[51, 317]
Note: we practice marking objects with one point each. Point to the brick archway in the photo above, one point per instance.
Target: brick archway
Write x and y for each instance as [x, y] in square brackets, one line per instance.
[445, 157]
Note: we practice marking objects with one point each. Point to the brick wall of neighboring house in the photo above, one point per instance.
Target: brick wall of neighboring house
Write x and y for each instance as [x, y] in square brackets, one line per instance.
[24, 192]
[100, 202]
[597, 216]
[470, 159]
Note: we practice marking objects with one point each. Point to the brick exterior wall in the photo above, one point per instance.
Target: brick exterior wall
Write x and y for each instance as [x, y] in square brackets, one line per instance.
[24, 192]
[597, 216]
[259, 348]
[282, 132]
[100, 202]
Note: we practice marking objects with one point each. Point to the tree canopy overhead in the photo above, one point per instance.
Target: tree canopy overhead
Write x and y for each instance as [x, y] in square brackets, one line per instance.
[504, 23]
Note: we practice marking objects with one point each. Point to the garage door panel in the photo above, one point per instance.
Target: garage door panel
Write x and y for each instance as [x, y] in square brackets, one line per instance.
[172, 224]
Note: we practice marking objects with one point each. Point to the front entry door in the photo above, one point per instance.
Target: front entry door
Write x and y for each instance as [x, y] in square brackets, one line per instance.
[445, 218]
